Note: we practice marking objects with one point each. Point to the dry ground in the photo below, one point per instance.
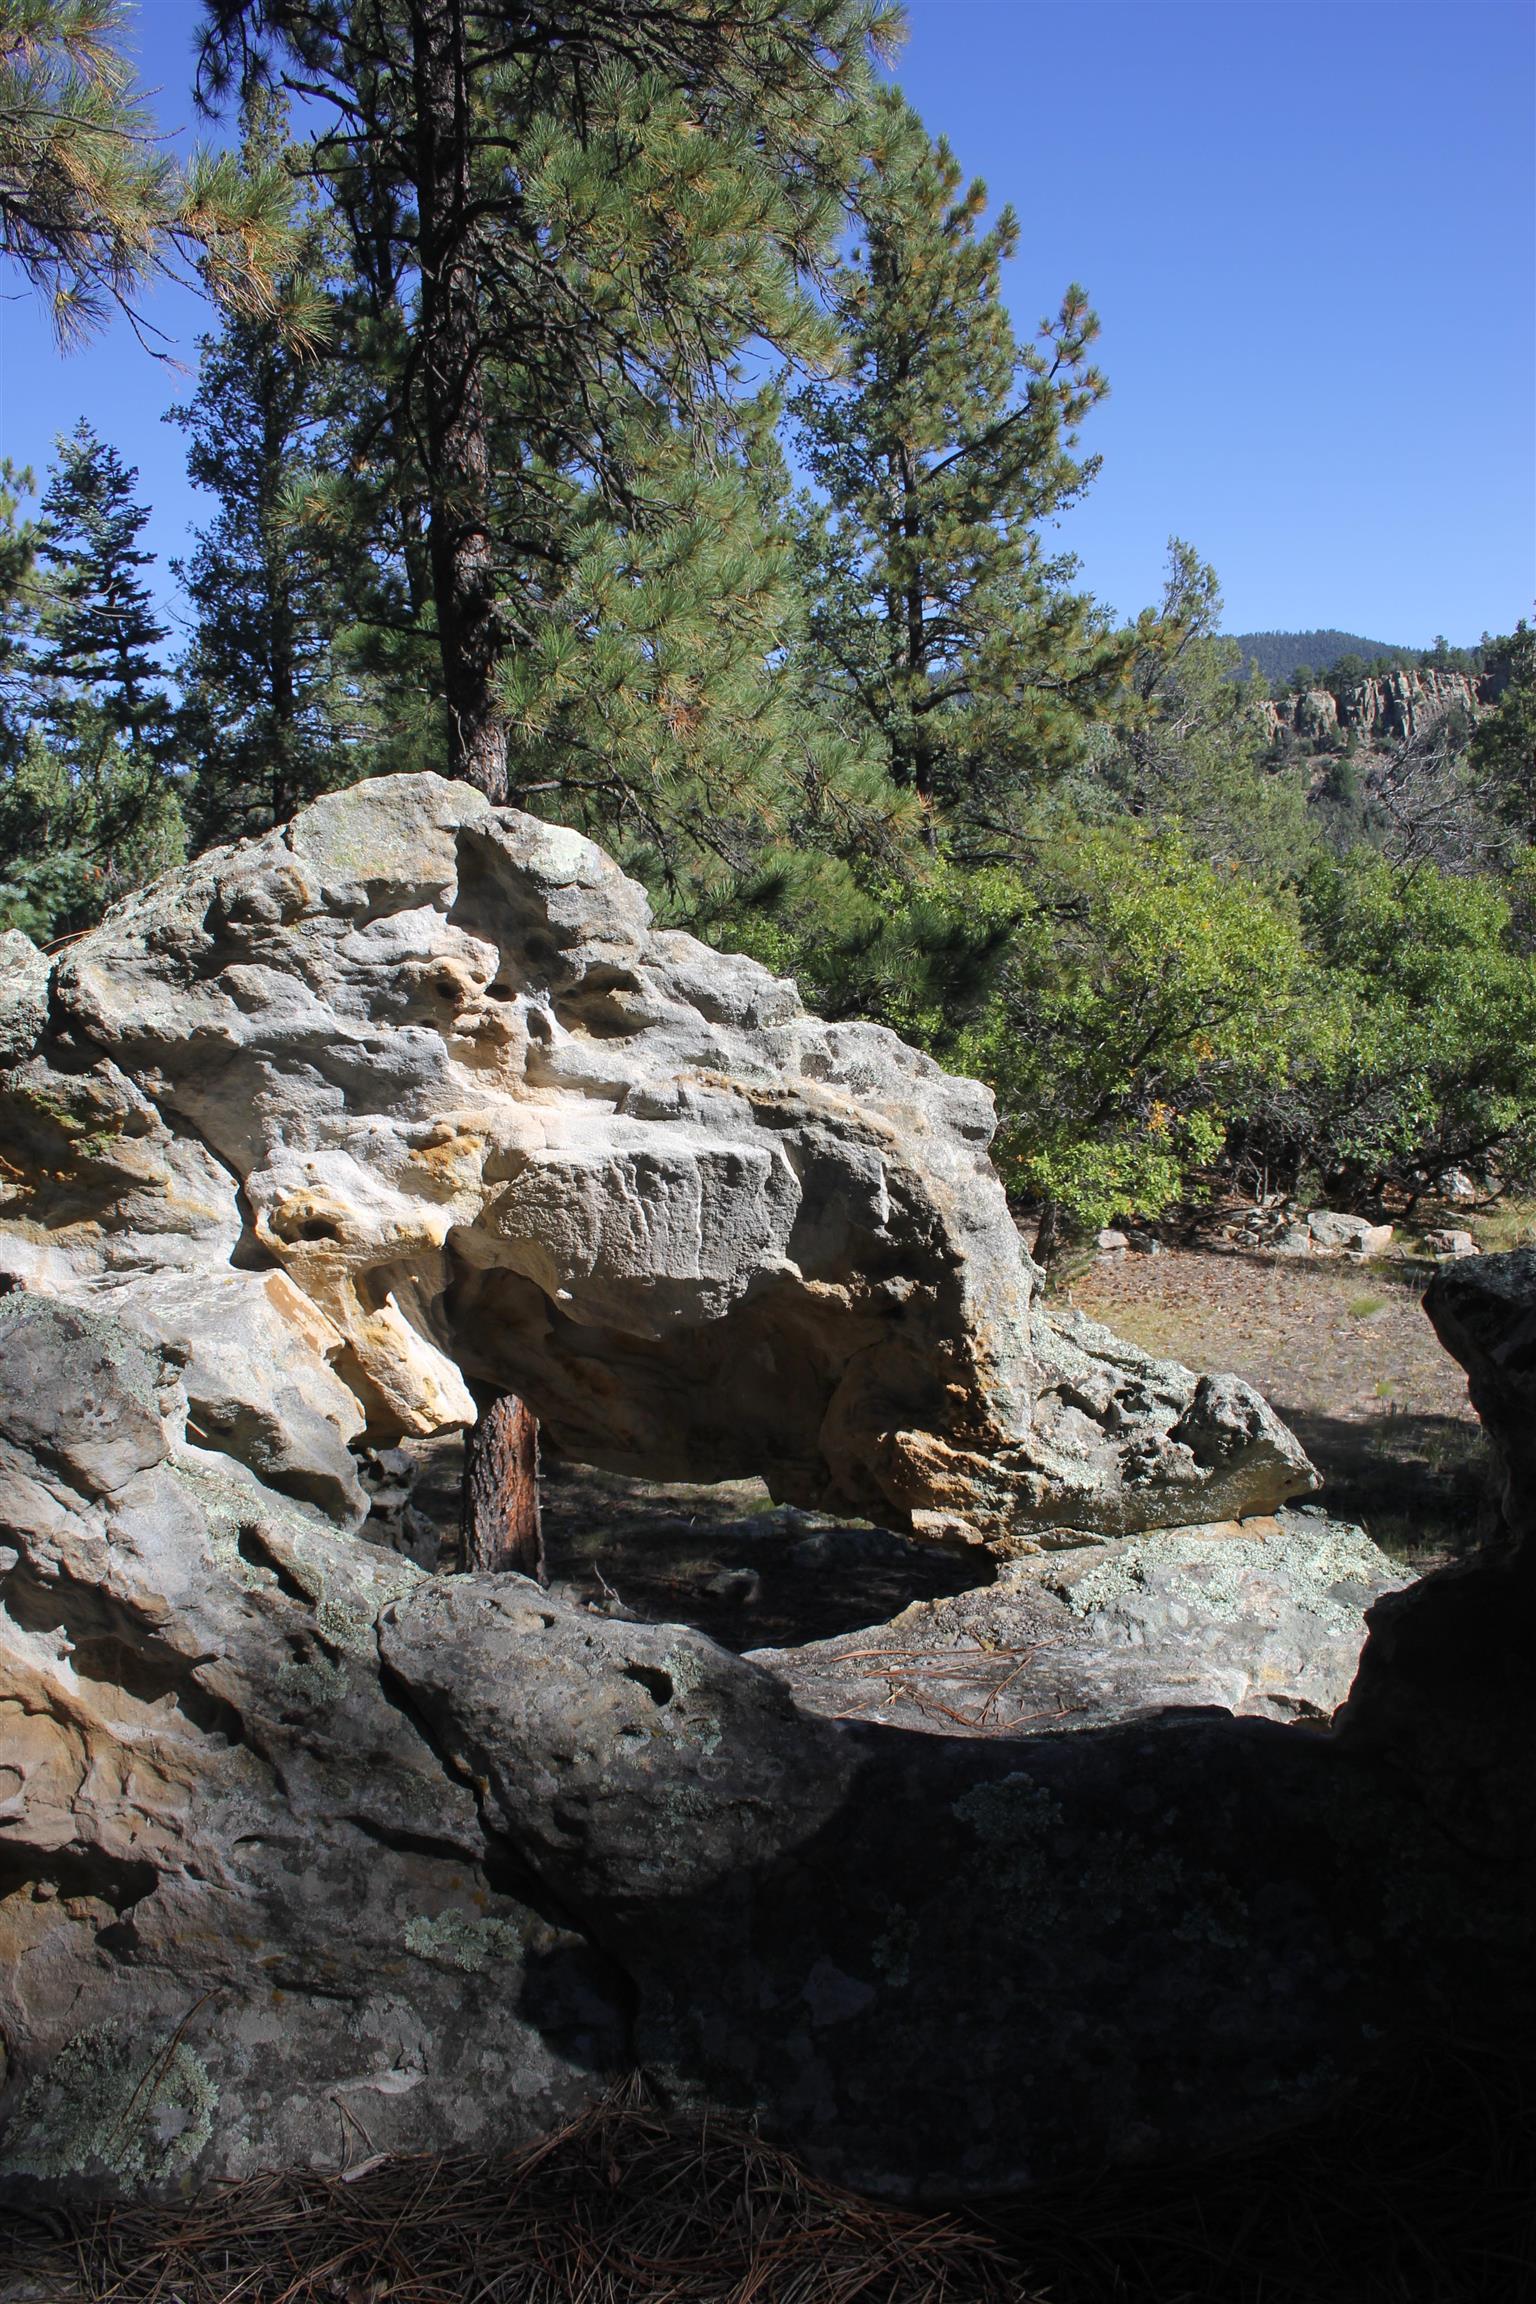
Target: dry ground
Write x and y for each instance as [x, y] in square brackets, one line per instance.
[1345, 1354]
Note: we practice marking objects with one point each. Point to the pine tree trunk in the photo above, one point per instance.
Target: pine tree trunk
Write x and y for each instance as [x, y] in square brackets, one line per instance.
[452, 385]
[502, 1526]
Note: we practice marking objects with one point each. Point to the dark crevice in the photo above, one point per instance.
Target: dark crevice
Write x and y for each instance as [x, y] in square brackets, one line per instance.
[119, 1881]
[403, 1842]
[256, 1552]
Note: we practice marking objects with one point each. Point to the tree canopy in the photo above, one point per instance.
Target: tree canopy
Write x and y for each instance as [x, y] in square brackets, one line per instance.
[620, 407]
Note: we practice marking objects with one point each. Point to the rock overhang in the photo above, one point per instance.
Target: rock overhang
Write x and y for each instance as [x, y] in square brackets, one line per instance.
[432, 1063]
[429, 1859]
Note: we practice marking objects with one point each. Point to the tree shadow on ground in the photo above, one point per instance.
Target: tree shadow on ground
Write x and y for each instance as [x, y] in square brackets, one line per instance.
[1422, 1487]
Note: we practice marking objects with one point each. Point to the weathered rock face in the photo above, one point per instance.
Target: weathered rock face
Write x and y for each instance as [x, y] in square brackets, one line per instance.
[247, 1918]
[412, 1090]
[1264, 1619]
[307, 1854]
[1393, 708]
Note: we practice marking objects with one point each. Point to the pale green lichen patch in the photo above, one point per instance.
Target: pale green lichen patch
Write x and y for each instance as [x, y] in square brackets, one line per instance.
[462, 1940]
[316, 1681]
[1326, 1566]
[1014, 1809]
[105, 2103]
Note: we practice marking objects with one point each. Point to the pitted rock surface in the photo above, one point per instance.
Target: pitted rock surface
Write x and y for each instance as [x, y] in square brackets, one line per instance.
[247, 1919]
[1265, 1618]
[413, 1091]
[306, 1854]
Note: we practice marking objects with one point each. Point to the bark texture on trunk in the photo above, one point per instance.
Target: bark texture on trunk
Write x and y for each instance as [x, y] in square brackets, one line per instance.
[452, 387]
[502, 1525]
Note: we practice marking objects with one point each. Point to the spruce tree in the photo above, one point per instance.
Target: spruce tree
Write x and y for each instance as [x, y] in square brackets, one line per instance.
[90, 808]
[941, 624]
[98, 668]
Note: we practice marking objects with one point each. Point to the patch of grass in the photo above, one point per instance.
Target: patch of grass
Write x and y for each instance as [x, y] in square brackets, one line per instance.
[1511, 1224]
[1362, 1307]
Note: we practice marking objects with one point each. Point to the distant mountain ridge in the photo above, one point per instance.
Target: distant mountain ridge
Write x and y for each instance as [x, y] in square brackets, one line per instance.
[1279, 653]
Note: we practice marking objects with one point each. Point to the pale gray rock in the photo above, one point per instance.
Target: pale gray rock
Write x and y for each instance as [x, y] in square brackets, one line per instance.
[428, 1065]
[1265, 1619]
[246, 1918]
[1448, 1241]
[1334, 1234]
[1285, 1231]
[252, 1353]
[1392, 708]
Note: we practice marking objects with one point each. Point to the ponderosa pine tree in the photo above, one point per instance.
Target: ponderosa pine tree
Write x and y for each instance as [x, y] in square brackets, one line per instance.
[91, 206]
[940, 623]
[570, 210]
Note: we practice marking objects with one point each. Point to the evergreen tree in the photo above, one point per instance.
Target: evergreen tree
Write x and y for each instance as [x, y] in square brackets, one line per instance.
[91, 207]
[97, 669]
[560, 213]
[1503, 750]
[89, 809]
[1187, 745]
[941, 626]
[18, 553]
[653, 703]
[269, 717]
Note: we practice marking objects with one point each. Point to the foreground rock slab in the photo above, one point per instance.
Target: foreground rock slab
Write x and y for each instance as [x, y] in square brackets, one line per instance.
[308, 1856]
[412, 1091]
[1266, 1619]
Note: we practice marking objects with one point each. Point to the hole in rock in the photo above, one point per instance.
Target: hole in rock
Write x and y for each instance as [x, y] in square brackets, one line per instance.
[658, 1685]
[723, 1557]
[254, 1549]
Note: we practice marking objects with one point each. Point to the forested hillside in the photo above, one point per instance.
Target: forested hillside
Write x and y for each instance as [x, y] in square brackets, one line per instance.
[518, 345]
[1281, 655]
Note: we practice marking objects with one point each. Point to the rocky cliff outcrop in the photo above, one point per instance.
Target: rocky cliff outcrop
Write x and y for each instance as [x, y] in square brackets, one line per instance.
[307, 1854]
[413, 1092]
[1390, 709]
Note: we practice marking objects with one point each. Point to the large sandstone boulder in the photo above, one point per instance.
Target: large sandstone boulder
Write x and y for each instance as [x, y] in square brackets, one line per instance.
[307, 1854]
[412, 1092]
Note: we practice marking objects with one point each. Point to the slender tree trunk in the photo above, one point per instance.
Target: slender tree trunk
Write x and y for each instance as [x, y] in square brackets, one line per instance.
[453, 402]
[502, 1525]
[282, 685]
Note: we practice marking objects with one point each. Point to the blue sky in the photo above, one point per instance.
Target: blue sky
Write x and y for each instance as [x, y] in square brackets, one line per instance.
[1308, 226]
